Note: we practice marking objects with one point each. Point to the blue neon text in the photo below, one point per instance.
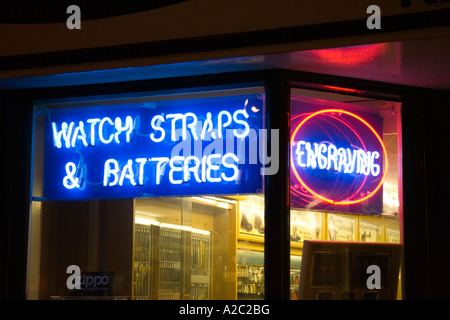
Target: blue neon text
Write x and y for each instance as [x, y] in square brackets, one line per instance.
[171, 127]
[327, 156]
[106, 130]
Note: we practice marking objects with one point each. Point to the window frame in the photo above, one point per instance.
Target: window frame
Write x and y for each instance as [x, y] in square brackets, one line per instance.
[417, 239]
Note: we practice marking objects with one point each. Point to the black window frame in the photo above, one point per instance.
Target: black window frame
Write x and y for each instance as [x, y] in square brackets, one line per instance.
[424, 129]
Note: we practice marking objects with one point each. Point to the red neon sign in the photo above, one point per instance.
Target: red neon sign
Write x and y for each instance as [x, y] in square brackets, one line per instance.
[373, 166]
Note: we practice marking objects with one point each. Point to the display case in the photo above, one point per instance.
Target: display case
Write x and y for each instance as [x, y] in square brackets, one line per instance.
[142, 263]
[200, 266]
[250, 275]
[171, 263]
[181, 262]
[294, 278]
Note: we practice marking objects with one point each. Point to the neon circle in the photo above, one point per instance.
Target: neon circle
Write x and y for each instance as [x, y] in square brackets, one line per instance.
[348, 200]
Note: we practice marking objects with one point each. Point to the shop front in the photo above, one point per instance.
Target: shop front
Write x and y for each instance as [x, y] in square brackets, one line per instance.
[277, 173]
[162, 196]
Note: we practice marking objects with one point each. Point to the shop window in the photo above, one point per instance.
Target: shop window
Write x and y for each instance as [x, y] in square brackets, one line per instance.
[155, 197]
[345, 189]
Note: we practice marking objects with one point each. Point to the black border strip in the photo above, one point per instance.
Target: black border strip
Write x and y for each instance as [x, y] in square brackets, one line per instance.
[416, 21]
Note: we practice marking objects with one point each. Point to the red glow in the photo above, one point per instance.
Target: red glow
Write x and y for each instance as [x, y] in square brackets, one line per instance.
[341, 89]
[347, 201]
[351, 55]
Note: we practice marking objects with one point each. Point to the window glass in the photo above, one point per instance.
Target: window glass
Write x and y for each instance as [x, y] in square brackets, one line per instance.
[345, 189]
[150, 197]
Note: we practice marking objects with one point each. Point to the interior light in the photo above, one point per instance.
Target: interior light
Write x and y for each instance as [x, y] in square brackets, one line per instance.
[145, 221]
[220, 199]
[220, 203]
[148, 222]
[208, 201]
[184, 228]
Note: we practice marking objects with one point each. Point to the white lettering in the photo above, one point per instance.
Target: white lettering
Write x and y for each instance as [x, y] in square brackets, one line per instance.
[128, 128]
[192, 126]
[127, 172]
[374, 21]
[187, 169]
[105, 130]
[159, 167]
[243, 122]
[300, 154]
[374, 280]
[74, 20]
[342, 160]
[210, 168]
[222, 124]
[207, 126]
[79, 134]
[232, 166]
[264, 158]
[156, 123]
[142, 162]
[69, 134]
[65, 133]
[321, 159]
[108, 171]
[332, 157]
[328, 156]
[100, 131]
[174, 117]
[74, 280]
[173, 168]
[93, 122]
[375, 169]
[70, 181]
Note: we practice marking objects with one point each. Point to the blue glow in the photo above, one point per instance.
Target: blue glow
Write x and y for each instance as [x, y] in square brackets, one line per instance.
[156, 125]
[327, 156]
[177, 147]
[100, 130]
[70, 181]
[111, 171]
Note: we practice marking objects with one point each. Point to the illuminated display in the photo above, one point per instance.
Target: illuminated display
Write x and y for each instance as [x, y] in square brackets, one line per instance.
[328, 156]
[337, 159]
[174, 147]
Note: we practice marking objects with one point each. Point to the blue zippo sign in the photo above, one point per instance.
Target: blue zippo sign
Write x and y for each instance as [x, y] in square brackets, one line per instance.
[159, 148]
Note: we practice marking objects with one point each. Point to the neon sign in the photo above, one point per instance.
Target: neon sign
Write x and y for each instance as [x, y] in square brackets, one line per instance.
[328, 156]
[337, 159]
[174, 147]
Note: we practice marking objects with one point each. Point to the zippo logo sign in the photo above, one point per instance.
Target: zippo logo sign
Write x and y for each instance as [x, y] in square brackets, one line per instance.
[338, 161]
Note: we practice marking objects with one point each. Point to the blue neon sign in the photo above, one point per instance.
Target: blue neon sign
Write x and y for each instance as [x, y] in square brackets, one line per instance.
[159, 148]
